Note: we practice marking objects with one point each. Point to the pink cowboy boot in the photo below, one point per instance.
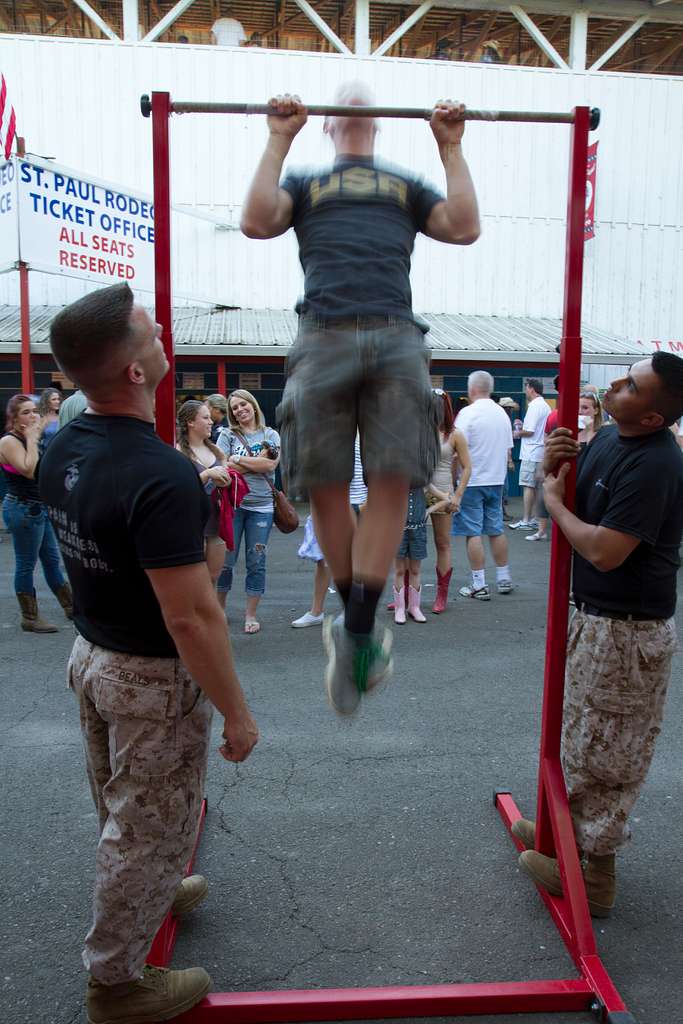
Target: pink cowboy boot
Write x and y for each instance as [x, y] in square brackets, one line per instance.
[400, 606]
[414, 609]
[443, 582]
[406, 577]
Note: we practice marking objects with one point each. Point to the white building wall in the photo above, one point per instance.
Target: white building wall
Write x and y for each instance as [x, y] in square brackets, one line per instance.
[78, 100]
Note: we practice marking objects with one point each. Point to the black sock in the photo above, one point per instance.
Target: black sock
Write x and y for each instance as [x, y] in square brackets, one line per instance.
[361, 607]
[343, 589]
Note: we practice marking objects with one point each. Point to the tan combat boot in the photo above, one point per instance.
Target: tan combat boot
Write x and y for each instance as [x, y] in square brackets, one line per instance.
[31, 621]
[66, 599]
[525, 831]
[598, 875]
[191, 892]
[158, 995]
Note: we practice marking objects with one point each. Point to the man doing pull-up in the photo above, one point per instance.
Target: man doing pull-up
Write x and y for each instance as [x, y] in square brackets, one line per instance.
[359, 360]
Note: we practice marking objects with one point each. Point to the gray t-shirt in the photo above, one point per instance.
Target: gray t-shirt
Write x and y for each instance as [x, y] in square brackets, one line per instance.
[260, 496]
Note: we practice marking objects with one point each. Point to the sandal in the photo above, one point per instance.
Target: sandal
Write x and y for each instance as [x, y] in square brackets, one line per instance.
[251, 626]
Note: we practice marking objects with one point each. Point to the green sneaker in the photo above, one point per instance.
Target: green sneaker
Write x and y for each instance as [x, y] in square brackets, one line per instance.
[356, 664]
[158, 995]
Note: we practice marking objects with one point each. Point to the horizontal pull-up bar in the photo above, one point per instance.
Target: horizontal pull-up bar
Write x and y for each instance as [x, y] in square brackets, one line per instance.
[419, 113]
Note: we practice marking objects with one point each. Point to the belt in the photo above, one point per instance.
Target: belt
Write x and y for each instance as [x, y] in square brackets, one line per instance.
[608, 613]
[367, 321]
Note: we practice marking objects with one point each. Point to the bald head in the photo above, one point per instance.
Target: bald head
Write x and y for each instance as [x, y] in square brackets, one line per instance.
[353, 135]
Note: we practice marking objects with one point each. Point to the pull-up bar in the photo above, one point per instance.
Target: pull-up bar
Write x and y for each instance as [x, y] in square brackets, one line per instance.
[554, 833]
[416, 113]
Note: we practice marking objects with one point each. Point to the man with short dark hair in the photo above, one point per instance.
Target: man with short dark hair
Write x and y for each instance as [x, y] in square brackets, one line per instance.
[129, 513]
[626, 535]
[531, 451]
[359, 361]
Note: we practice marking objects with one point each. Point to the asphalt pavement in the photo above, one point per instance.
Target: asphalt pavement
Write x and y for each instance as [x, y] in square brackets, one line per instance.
[342, 854]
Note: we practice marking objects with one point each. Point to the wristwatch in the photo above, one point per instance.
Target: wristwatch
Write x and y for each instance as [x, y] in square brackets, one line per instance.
[237, 458]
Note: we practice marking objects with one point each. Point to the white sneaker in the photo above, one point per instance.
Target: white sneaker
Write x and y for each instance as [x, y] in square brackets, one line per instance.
[480, 594]
[506, 586]
[537, 536]
[522, 524]
[308, 620]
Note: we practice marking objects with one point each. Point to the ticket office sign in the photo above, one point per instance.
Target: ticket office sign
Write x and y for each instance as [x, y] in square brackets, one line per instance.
[83, 227]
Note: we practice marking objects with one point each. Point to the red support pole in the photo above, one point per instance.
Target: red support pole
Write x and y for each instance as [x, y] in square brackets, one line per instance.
[221, 377]
[25, 310]
[165, 398]
[553, 822]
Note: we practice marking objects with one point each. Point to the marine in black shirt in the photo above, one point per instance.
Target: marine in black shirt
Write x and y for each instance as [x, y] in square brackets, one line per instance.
[626, 534]
[634, 486]
[152, 651]
[121, 502]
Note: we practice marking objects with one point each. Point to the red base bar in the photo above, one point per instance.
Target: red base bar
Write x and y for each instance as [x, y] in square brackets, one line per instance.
[162, 948]
[398, 1001]
[594, 988]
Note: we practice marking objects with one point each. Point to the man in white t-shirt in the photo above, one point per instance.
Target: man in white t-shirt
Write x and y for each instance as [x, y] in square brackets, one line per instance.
[487, 430]
[531, 451]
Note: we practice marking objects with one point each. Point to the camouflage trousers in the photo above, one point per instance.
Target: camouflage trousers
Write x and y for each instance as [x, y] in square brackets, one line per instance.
[145, 726]
[615, 688]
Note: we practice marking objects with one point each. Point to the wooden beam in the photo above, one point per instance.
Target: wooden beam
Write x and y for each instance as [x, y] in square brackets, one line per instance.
[620, 41]
[91, 13]
[322, 26]
[608, 10]
[167, 21]
[404, 27]
[578, 40]
[131, 21]
[667, 53]
[534, 31]
[473, 45]
[362, 28]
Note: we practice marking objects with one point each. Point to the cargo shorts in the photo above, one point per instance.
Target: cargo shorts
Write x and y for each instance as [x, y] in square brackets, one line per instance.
[366, 373]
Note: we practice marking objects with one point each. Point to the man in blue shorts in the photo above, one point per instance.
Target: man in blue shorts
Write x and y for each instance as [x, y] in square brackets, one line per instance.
[359, 360]
[488, 433]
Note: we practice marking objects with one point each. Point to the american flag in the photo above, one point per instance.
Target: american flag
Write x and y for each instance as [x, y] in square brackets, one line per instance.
[8, 120]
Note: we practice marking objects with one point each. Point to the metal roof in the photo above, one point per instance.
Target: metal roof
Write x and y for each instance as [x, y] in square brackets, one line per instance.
[217, 331]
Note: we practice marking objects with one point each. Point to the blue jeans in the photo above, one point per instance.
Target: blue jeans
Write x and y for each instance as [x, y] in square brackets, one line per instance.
[33, 539]
[256, 527]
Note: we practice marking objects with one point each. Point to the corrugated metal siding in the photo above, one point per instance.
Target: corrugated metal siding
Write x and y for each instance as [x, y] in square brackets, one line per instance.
[79, 101]
[255, 329]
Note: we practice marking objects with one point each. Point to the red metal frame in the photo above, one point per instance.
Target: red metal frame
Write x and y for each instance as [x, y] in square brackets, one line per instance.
[593, 989]
[165, 398]
[25, 309]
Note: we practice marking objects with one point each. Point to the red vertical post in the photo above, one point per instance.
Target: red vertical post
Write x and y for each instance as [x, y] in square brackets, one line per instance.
[554, 826]
[25, 310]
[165, 397]
[220, 366]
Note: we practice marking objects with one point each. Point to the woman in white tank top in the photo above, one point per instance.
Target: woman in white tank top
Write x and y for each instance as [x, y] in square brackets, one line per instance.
[441, 486]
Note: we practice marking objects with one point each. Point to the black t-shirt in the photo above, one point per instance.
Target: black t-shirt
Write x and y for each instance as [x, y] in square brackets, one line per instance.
[121, 501]
[633, 485]
[356, 227]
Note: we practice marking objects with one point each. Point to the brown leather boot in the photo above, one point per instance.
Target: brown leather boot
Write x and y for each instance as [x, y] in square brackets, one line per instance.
[31, 621]
[66, 599]
[598, 875]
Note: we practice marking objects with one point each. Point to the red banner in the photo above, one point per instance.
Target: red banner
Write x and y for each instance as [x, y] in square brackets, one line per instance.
[591, 175]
